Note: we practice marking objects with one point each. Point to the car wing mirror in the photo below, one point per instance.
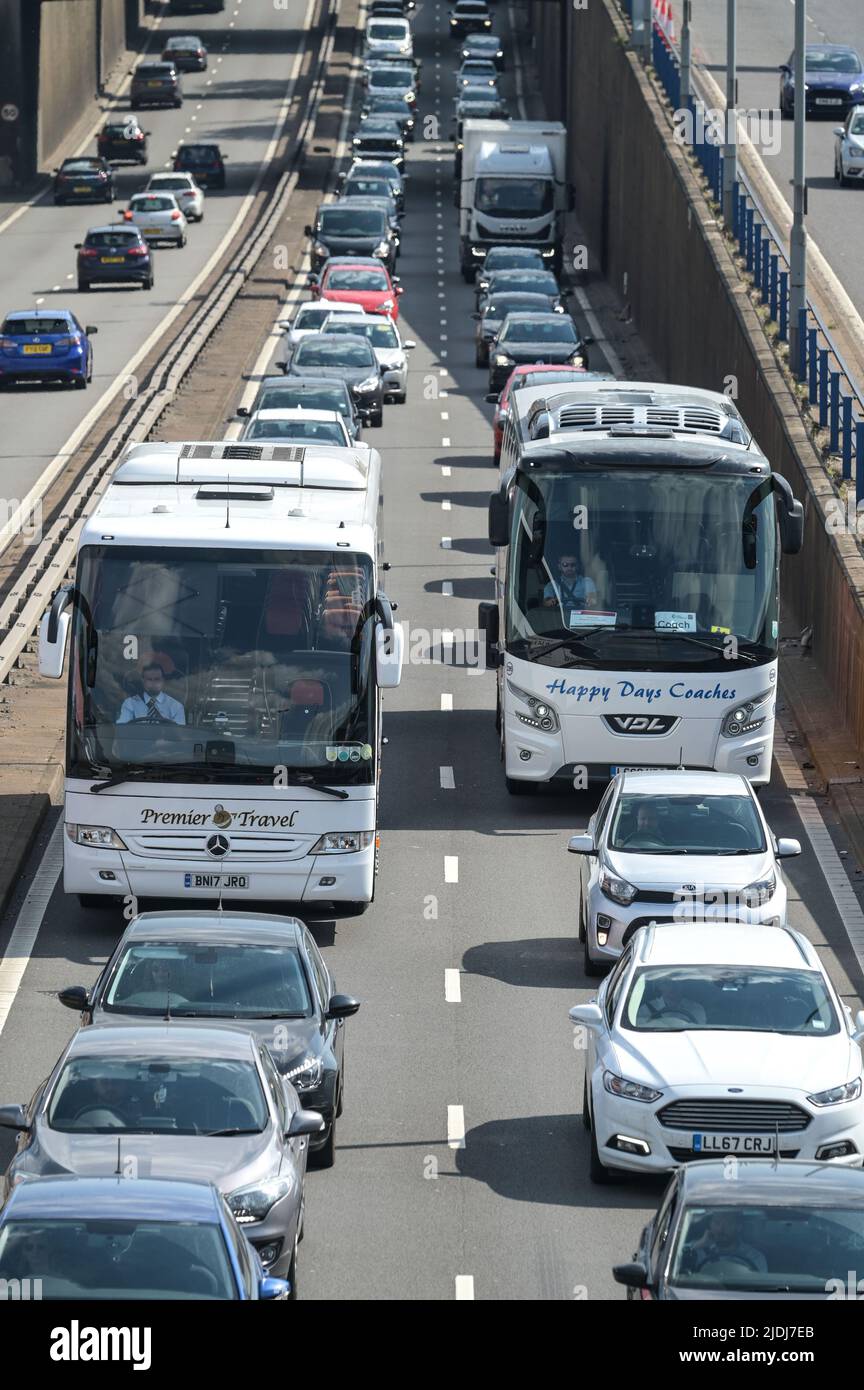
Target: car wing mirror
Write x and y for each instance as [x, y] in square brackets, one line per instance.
[342, 1006]
[14, 1117]
[787, 848]
[304, 1122]
[74, 997]
[590, 1015]
[581, 844]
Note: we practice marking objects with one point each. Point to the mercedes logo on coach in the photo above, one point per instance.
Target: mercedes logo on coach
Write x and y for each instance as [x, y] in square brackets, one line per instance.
[218, 846]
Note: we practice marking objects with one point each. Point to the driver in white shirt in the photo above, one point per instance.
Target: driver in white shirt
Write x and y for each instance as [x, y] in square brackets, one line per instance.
[152, 706]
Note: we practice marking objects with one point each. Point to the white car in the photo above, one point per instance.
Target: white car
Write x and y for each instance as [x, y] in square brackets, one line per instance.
[849, 148]
[298, 426]
[190, 198]
[670, 845]
[477, 72]
[387, 345]
[311, 318]
[721, 1040]
[158, 217]
[388, 37]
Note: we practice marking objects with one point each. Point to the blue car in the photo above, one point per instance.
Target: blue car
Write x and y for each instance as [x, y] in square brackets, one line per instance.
[127, 1238]
[46, 345]
[834, 79]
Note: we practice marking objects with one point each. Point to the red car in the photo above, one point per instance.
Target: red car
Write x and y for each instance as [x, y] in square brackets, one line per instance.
[529, 374]
[358, 280]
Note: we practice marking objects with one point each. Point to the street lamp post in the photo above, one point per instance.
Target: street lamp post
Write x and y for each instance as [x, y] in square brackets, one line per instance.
[730, 147]
[798, 238]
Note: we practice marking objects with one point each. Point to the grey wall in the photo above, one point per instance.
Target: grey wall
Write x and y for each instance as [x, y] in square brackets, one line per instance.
[68, 70]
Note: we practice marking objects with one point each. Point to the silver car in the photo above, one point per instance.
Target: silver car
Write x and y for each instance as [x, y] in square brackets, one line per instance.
[190, 198]
[388, 346]
[158, 217]
[160, 1101]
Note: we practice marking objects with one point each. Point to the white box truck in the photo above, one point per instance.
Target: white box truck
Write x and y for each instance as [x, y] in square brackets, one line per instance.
[513, 189]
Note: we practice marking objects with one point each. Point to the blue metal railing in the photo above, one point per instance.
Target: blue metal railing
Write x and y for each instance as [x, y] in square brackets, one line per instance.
[833, 392]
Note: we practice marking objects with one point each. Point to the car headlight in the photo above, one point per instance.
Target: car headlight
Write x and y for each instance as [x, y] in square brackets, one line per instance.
[382, 249]
[856, 150]
[501, 359]
[838, 1094]
[618, 889]
[343, 842]
[94, 836]
[628, 1090]
[577, 359]
[305, 1075]
[319, 249]
[558, 309]
[253, 1203]
[760, 891]
[542, 716]
[856, 86]
[747, 716]
[368, 385]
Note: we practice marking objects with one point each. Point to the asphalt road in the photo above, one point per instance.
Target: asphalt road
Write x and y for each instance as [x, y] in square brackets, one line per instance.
[766, 37]
[236, 102]
[410, 1209]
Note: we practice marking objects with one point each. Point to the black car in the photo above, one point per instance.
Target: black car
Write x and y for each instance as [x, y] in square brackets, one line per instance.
[534, 338]
[205, 162]
[378, 169]
[351, 360]
[484, 46]
[834, 80]
[379, 138]
[348, 229]
[84, 180]
[123, 142]
[749, 1228]
[308, 392]
[112, 255]
[155, 84]
[264, 974]
[186, 52]
[470, 17]
[376, 189]
[495, 310]
[396, 107]
[391, 7]
[508, 258]
[516, 282]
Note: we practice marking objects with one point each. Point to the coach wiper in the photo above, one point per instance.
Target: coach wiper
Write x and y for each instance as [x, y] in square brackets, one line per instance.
[305, 779]
[169, 772]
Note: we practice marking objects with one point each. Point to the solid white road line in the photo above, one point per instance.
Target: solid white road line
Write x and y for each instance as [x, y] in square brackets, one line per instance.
[451, 868]
[448, 781]
[593, 323]
[465, 1288]
[453, 986]
[30, 919]
[456, 1126]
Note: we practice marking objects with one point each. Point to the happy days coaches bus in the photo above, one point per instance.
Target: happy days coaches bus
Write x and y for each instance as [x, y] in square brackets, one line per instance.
[228, 643]
[638, 530]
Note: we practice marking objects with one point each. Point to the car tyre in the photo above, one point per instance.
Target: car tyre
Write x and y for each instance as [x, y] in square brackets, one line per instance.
[182, 242]
[597, 1170]
[479, 359]
[843, 181]
[83, 286]
[325, 1157]
[80, 383]
[586, 1113]
[401, 398]
[96, 900]
[378, 418]
[291, 1276]
[147, 284]
[592, 967]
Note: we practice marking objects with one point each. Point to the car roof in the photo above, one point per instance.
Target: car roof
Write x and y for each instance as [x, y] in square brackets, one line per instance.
[551, 317]
[225, 926]
[724, 943]
[128, 227]
[304, 383]
[153, 1199]
[297, 413]
[787, 1182]
[521, 296]
[39, 314]
[177, 39]
[335, 306]
[154, 1040]
[329, 337]
[352, 263]
[683, 782]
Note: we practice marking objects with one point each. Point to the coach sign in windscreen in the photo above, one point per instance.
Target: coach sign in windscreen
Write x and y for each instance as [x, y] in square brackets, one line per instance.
[638, 619]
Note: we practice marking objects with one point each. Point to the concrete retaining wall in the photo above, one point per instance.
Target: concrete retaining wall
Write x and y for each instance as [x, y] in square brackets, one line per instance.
[68, 70]
[651, 233]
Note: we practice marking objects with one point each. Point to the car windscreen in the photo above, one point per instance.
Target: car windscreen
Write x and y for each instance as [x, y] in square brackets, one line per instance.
[391, 77]
[335, 353]
[208, 979]
[380, 335]
[557, 330]
[684, 824]
[388, 31]
[366, 188]
[197, 154]
[307, 431]
[294, 397]
[155, 70]
[81, 166]
[510, 303]
[25, 328]
[106, 1258]
[727, 998]
[150, 202]
[522, 281]
[171, 181]
[118, 241]
[351, 222]
[364, 281]
[502, 258]
[165, 1095]
[857, 125]
[310, 316]
[823, 60]
[761, 1249]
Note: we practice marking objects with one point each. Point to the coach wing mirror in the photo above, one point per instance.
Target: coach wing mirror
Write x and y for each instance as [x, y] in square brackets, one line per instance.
[635, 1275]
[489, 622]
[53, 632]
[499, 519]
[389, 646]
[581, 844]
[788, 848]
[790, 516]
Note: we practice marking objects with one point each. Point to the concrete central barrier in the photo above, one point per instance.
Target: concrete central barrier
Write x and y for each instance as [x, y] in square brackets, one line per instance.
[652, 234]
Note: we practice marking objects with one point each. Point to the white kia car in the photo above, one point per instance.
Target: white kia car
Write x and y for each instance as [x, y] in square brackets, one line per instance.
[849, 148]
[668, 845]
[311, 318]
[158, 217]
[388, 346]
[719, 1040]
[190, 198]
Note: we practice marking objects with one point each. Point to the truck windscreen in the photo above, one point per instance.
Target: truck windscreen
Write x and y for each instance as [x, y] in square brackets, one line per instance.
[500, 197]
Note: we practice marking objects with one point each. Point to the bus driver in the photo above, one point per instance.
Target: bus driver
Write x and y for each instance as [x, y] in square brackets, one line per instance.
[152, 706]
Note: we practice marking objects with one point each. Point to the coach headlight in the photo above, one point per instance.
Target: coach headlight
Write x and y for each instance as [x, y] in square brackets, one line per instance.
[94, 836]
[539, 714]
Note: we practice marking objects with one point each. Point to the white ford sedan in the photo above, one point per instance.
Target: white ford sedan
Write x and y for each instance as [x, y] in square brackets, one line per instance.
[671, 845]
[849, 148]
[709, 1041]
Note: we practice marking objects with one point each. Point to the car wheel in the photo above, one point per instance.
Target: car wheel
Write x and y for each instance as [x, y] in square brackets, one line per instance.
[325, 1157]
[147, 284]
[96, 900]
[178, 104]
[586, 1113]
[182, 242]
[83, 286]
[59, 202]
[378, 419]
[401, 398]
[291, 1276]
[80, 383]
[479, 359]
[841, 177]
[109, 198]
[597, 1170]
[592, 967]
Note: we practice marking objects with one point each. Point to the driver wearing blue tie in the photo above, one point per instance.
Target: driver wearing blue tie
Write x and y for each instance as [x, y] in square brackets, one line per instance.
[152, 706]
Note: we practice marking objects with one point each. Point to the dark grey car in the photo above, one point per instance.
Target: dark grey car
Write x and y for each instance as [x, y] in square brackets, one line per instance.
[351, 360]
[315, 393]
[348, 229]
[251, 970]
[166, 1101]
[528, 338]
[155, 84]
[495, 311]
